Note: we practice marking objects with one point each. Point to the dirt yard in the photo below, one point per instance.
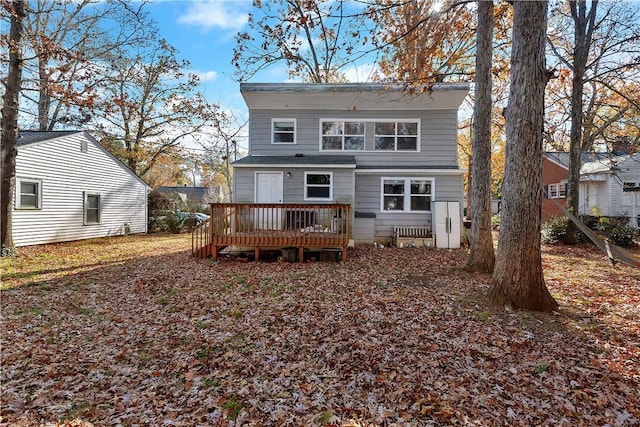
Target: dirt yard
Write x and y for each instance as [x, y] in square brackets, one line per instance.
[134, 331]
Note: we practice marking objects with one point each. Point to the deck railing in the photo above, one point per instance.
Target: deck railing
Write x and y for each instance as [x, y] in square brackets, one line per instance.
[265, 225]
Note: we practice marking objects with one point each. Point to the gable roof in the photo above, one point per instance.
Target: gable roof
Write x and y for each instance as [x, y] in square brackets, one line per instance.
[30, 137]
[192, 193]
[26, 137]
[561, 158]
[608, 164]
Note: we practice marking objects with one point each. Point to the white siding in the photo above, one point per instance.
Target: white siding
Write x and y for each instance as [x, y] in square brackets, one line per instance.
[66, 173]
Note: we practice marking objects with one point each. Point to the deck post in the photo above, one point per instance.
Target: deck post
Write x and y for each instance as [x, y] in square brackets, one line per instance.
[344, 254]
[300, 253]
[257, 253]
[214, 252]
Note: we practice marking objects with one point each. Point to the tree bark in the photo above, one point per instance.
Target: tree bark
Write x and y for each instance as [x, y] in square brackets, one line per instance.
[518, 279]
[583, 28]
[482, 257]
[9, 125]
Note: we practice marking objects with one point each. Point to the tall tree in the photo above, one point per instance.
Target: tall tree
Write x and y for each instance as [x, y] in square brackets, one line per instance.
[315, 39]
[151, 107]
[482, 257]
[424, 41]
[66, 39]
[517, 279]
[9, 137]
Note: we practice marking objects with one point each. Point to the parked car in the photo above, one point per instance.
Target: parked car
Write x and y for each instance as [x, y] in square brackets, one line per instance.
[192, 219]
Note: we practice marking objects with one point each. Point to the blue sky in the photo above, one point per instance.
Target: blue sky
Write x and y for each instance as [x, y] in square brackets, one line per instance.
[203, 33]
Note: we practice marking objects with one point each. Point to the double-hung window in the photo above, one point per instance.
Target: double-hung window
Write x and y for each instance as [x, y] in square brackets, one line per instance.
[283, 131]
[557, 191]
[318, 186]
[92, 208]
[28, 193]
[396, 136]
[406, 194]
[342, 135]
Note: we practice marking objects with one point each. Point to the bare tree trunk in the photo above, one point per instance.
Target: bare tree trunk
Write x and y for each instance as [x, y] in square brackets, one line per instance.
[583, 27]
[482, 257]
[9, 125]
[518, 280]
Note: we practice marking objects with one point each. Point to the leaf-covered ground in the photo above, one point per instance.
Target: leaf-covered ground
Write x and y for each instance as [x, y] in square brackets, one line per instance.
[133, 331]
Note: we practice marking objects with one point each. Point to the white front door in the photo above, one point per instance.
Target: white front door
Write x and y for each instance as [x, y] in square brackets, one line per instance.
[269, 189]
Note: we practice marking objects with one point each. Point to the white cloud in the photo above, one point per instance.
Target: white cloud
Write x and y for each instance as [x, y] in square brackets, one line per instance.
[360, 73]
[214, 13]
[205, 76]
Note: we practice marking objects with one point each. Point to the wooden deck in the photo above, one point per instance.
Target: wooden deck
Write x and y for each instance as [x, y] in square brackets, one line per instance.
[273, 226]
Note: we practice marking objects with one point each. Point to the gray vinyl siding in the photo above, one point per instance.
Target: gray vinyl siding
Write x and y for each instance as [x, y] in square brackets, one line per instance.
[66, 173]
[293, 186]
[438, 136]
[629, 171]
[368, 191]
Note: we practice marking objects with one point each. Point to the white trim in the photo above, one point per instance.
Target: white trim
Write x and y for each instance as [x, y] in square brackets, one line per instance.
[305, 186]
[372, 139]
[295, 130]
[407, 192]
[86, 195]
[18, 202]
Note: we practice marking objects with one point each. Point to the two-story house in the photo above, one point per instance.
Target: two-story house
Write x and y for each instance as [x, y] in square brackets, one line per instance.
[389, 154]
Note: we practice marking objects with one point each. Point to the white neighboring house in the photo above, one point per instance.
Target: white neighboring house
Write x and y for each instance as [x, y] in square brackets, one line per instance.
[69, 187]
[602, 185]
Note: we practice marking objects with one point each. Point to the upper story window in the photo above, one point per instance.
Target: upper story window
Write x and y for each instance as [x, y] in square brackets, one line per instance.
[28, 193]
[283, 131]
[396, 136]
[92, 208]
[318, 186]
[406, 194]
[342, 135]
[557, 191]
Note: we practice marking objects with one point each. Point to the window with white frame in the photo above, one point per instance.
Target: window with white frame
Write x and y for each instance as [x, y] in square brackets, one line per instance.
[396, 136]
[407, 194]
[283, 131]
[28, 193]
[557, 191]
[92, 208]
[318, 186]
[342, 135]
[627, 196]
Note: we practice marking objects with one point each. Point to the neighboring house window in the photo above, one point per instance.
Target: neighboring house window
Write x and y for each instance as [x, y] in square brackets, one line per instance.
[283, 131]
[396, 136]
[92, 208]
[318, 186]
[83, 146]
[29, 193]
[407, 194]
[557, 191]
[341, 135]
[627, 197]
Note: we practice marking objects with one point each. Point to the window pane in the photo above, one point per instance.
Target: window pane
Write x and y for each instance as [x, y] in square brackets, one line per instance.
[93, 202]
[283, 126]
[393, 203]
[92, 216]
[283, 137]
[385, 128]
[420, 203]
[407, 143]
[318, 192]
[394, 187]
[332, 143]
[420, 187]
[407, 128]
[322, 179]
[354, 143]
[354, 128]
[28, 188]
[384, 143]
[332, 128]
[28, 201]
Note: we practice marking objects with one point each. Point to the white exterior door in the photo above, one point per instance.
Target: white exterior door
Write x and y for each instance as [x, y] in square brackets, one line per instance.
[447, 220]
[269, 189]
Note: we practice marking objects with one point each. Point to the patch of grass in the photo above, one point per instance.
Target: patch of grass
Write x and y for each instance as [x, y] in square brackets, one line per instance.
[542, 368]
[211, 383]
[234, 405]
